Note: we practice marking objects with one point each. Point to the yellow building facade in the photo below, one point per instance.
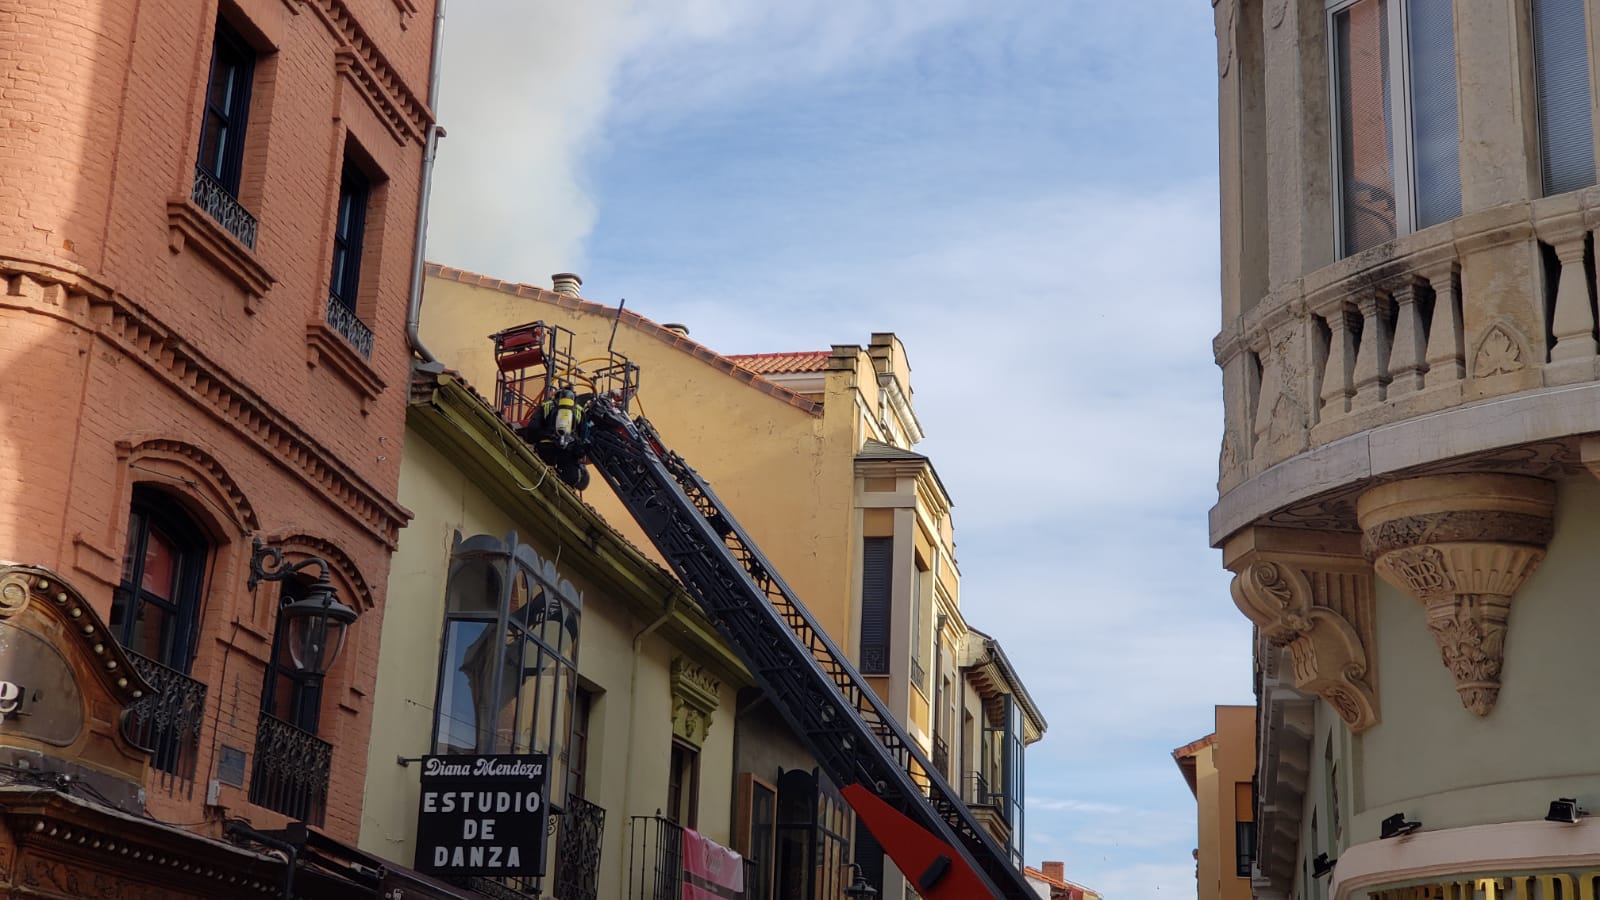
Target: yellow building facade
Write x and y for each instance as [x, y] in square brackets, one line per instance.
[1219, 769]
[634, 695]
[1406, 483]
[812, 452]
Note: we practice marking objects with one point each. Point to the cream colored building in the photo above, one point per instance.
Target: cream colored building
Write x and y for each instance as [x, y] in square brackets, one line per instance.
[1219, 769]
[633, 696]
[1407, 490]
[812, 453]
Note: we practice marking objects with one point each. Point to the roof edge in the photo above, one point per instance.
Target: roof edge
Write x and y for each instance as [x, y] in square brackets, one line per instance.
[632, 319]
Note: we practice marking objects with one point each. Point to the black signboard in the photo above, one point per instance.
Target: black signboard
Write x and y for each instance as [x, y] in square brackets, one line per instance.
[482, 815]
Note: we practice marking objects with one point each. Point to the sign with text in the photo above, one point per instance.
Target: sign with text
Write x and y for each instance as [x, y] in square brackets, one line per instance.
[482, 815]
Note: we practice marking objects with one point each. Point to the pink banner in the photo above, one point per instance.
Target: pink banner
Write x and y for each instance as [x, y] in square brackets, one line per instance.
[710, 870]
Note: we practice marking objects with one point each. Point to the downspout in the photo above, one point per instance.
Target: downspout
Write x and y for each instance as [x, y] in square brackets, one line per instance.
[633, 692]
[429, 149]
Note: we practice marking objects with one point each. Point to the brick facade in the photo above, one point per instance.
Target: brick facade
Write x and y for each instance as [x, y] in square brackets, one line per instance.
[142, 343]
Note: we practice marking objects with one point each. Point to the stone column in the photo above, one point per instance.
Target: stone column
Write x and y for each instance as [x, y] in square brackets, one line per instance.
[1407, 358]
[1313, 592]
[1462, 545]
[1371, 373]
[1337, 387]
[1446, 352]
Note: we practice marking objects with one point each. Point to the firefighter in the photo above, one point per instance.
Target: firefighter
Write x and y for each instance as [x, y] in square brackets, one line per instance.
[558, 437]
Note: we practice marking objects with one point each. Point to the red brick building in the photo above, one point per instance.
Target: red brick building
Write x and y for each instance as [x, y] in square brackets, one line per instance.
[208, 215]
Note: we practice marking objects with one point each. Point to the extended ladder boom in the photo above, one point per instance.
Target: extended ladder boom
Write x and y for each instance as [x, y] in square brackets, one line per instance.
[812, 684]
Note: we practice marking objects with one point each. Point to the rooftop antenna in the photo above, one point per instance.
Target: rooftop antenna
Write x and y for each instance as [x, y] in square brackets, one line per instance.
[614, 322]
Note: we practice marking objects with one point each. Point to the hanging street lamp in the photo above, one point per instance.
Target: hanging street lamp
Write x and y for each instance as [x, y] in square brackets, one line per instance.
[313, 626]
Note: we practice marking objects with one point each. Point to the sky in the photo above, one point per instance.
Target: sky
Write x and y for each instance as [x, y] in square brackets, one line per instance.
[1025, 191]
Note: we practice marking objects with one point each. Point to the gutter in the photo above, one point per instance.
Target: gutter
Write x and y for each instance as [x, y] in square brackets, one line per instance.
[429, 151]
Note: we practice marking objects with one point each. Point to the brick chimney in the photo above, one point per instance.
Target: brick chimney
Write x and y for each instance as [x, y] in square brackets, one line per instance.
[1056, 870]
[566, 283]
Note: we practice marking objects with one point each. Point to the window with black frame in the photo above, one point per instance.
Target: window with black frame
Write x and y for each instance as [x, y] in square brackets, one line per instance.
[155, 607]
[348, 230]
[508, 673]
[155, 611]
[220, 161]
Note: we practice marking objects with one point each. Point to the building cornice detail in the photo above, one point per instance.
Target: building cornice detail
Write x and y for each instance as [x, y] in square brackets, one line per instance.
[121, 322]
[1313, 592]
[404, 108]
[695, 696]
[1461, 545]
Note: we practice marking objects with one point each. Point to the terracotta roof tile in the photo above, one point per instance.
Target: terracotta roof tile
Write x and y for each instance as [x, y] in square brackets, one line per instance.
[783, 363]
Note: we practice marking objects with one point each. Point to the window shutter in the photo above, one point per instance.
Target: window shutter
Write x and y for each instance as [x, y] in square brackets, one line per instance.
[1561, 80]
[877, 567]
[1435, 132]
[1366, 147]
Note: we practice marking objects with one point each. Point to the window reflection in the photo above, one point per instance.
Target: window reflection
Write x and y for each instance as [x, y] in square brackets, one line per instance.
[508, 671]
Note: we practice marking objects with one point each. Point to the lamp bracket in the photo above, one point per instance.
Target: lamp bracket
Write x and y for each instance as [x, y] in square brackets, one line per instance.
[267, 564]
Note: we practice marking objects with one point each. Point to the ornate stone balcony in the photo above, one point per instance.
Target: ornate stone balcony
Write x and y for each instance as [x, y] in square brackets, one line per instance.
[1474, 337]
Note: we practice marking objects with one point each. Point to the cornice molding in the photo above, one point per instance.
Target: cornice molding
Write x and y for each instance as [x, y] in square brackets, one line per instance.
[139, 335]
[406, 110]
[349, 65]
[1313, 592]
[1461, 545]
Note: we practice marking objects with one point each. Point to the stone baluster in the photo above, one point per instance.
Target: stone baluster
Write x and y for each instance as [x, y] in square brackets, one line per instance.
[1446, 357]
[1408, 357]
[1336, 386]
[1371, 374]
[1572, 324]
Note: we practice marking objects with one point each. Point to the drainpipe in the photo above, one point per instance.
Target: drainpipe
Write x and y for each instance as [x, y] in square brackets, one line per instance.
[429, 149]
[633, 692]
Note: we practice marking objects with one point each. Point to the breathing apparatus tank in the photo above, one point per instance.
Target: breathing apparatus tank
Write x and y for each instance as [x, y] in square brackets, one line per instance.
[566, 416]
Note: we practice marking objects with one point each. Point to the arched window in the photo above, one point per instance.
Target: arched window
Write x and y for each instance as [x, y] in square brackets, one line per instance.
[508, 674]
[155, 609]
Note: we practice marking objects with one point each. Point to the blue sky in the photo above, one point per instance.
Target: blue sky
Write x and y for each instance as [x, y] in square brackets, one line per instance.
[1026, 193]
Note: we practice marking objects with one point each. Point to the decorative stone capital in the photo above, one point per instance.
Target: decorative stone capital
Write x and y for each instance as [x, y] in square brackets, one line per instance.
[694, 699]
[1313, 591]
[1462, 545]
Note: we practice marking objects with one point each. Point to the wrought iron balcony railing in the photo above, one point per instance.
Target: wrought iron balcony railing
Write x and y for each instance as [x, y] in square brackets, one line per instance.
[343, 319]
[291, 770]
[655, 858]
[583, 824]
[167, 722]
[976, 791]
[210, 195]
[941, 756]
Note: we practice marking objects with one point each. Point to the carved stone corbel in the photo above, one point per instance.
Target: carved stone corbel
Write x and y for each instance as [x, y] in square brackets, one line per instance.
[694, 699]
[1462, 545]
[1313, 592]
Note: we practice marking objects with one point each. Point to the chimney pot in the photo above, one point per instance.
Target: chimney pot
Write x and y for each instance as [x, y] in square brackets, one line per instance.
[676, 326]
[566, 283]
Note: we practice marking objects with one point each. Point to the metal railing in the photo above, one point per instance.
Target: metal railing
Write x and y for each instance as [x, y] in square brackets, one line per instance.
[941, 756]
[291, 770]
[343, 319]
[655, 858]
[582, 827]
[212, 196]
[167, 722]
[975, 790]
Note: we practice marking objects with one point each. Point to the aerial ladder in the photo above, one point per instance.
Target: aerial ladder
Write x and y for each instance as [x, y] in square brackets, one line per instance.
[575, 412]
